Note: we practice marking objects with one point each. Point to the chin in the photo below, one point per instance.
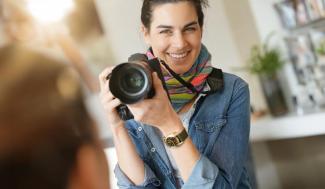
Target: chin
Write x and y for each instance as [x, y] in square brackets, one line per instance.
[179, 66]
[180, 71]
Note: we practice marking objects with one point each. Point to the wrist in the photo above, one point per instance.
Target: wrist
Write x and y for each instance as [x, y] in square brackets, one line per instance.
[176, 139]
[171, 127]
[117, 129]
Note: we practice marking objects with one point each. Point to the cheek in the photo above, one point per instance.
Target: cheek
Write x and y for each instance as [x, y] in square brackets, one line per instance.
[156, 52]
[195, 41]
[159, 43]
[160, 47]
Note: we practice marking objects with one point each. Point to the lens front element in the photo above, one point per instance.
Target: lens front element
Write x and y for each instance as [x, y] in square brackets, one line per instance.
[133, 81]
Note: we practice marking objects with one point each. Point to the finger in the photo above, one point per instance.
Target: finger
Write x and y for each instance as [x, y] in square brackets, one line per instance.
[105, 72]
[103, 77]
[106, 92]
[106, 97]
[112, 104]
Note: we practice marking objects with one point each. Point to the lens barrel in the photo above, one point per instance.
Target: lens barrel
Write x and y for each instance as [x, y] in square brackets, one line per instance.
[131, 82]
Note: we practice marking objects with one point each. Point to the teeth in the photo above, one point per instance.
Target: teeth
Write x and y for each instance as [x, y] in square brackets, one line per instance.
[178, 55]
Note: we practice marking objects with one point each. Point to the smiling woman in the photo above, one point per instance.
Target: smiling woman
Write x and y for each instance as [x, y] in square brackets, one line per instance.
[199, 137]
[175, 37]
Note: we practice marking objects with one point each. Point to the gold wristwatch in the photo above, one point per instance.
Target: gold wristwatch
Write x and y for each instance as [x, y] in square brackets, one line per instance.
[175, 139]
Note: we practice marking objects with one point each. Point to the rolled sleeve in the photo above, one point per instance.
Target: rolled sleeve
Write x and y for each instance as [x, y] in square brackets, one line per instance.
[150, 179]
[203, 175]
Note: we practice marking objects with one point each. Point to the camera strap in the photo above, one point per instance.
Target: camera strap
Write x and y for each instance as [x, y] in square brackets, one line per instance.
[215, 80]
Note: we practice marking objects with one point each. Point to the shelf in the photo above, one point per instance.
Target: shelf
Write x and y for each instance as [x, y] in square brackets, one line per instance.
[294, 126]
[315, 24]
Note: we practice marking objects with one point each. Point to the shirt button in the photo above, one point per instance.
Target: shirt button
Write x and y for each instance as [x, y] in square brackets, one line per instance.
[153, 149]
[139, 128]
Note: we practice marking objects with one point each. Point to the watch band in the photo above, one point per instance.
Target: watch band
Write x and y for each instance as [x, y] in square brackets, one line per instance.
[182, 135]
[174, 139]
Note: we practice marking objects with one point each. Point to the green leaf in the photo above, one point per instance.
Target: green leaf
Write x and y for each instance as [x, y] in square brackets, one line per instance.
[264, 60]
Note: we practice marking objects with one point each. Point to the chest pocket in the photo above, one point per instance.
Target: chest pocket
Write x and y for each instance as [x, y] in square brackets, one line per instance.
[206, 134]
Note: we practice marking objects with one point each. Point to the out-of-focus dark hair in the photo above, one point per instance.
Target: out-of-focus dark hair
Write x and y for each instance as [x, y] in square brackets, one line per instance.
[149, 5]
[43, 120]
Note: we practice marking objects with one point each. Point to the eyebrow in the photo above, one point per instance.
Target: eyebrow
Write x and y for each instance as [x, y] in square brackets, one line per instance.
[170, 27]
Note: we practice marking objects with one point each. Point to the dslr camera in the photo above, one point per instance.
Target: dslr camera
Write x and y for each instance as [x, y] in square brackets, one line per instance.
[132, 81]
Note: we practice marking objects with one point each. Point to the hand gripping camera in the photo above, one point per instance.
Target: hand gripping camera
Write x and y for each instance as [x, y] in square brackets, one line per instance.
[132, 82]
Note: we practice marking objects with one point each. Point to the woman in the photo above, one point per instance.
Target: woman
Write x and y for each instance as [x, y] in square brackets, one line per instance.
[47, 138]
[215, 152]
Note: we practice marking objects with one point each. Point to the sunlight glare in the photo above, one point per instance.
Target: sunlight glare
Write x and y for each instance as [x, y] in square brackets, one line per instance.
[49, 10]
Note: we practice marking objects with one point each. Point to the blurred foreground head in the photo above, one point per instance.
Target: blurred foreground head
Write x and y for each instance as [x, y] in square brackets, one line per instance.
[47, 138]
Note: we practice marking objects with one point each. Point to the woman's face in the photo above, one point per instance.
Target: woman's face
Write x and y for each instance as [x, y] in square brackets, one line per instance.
[175, 35]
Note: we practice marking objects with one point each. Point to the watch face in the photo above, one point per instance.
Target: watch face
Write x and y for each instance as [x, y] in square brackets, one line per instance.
[171, 141]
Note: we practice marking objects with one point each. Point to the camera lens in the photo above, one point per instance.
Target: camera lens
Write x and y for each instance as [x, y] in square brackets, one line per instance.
[130, 82]
[133, 81]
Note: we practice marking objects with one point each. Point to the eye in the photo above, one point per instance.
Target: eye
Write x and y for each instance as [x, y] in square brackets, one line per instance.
[165, 32]
[190, 29]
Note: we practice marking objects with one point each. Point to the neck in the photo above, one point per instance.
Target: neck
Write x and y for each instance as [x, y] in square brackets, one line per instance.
[187, 106]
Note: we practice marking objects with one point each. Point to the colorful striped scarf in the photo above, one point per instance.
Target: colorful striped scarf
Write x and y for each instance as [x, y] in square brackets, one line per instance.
[197, 75]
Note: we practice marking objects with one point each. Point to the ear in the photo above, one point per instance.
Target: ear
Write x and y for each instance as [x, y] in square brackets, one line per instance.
[146, 34]
[91, 170]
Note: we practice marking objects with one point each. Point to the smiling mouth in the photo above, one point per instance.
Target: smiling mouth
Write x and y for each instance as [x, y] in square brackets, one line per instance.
[178, 55]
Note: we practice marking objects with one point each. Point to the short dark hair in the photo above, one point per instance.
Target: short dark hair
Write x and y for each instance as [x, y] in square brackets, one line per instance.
[149, 5]
[41, 126]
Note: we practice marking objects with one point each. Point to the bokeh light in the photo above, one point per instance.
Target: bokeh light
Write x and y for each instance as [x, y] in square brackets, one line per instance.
[47, 11]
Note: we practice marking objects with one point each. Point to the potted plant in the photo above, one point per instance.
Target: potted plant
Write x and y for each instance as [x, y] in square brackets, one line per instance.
[266, 62]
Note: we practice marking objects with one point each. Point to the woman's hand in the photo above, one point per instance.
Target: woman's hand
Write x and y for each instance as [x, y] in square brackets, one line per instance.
[125, 149]
[108, 100]
[157, 111]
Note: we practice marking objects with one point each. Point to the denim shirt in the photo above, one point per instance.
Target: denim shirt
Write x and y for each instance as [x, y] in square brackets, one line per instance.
[219, 128]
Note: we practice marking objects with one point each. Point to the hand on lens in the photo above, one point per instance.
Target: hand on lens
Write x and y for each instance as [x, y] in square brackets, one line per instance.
[109, 102]
[156, 111]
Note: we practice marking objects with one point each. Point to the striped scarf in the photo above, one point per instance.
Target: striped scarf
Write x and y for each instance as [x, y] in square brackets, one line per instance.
[197, 75]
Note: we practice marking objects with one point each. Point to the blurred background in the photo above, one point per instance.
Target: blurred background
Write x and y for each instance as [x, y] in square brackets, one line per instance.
[277, 46]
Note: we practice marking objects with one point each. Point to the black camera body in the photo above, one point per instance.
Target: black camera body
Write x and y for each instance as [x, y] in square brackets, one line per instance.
[132, 81]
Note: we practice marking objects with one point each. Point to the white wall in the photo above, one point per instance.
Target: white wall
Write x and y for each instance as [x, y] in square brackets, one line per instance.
[245, 33]
[265, 17]
[121, 23]
[218, 37]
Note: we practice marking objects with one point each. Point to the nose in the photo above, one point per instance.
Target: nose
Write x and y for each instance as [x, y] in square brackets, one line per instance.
[179, 40]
